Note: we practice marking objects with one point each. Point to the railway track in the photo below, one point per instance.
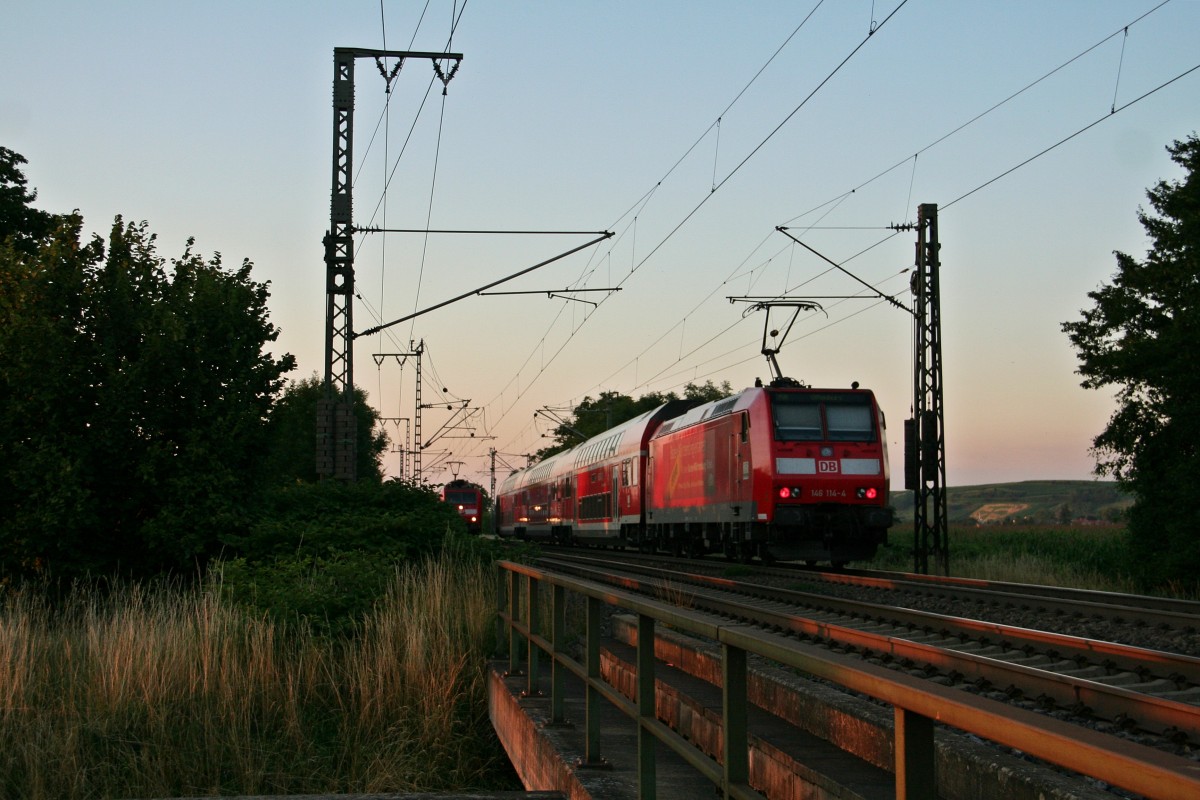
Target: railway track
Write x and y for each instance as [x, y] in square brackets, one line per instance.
[1149, 694]
[1151, 622]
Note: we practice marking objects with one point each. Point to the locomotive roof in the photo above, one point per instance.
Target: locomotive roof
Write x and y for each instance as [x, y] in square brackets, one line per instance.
[720, 408]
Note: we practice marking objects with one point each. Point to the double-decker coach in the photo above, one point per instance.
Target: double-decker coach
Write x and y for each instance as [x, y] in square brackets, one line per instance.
[591, 494]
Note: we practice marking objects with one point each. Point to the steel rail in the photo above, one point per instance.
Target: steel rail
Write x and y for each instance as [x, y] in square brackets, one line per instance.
[1168, 611]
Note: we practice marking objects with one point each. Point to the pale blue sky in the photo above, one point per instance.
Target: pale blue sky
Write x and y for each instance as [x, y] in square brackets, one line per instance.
[214, 120]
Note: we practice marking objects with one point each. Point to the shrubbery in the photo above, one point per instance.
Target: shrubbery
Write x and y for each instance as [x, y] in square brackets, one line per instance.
[323, 553]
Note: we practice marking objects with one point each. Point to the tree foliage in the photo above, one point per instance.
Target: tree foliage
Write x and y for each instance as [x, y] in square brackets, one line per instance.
[135, 397]
[291, 455]
[592, 417]
[1140, 337]
[20, 223]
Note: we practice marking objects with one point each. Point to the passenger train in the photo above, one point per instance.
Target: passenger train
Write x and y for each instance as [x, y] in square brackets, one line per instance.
[776, 472]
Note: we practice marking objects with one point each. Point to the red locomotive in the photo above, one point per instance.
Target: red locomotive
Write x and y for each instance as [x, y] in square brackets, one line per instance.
[775, 472]
[467, 499]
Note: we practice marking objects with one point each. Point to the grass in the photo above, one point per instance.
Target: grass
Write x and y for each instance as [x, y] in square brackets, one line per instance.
[1082, 557]
[160, 692]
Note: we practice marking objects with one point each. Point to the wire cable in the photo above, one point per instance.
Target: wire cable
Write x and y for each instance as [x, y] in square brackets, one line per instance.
[1064, 140]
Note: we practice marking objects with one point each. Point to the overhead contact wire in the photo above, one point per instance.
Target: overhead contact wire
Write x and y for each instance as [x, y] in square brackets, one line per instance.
[747, 158]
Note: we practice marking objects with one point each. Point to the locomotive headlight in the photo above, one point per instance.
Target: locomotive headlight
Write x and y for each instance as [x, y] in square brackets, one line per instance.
[867, 493]
[788, 492]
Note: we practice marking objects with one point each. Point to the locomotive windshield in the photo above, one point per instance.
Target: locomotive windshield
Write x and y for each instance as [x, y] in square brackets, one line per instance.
[822, 417]
[460, 498]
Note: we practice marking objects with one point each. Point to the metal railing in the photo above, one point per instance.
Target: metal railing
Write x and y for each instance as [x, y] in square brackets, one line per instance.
[918, 705]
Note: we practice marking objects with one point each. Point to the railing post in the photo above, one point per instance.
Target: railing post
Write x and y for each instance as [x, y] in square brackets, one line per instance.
[733, 706]
[532, 586]
[557, 670]
[593, 698]
[647, 777]
[514, 636]
[916, 775]
[501, 607]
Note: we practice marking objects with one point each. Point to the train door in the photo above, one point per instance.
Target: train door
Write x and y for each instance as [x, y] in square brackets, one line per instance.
[741, 463]
[615, 518]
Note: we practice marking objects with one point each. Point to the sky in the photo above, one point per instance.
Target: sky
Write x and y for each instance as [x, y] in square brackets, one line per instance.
[691, 131]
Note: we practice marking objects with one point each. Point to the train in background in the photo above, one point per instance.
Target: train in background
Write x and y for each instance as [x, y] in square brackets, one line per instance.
[778, 472]
[467, 499]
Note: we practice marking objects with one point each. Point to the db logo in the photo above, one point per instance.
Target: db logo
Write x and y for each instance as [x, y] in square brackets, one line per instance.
[827, 466]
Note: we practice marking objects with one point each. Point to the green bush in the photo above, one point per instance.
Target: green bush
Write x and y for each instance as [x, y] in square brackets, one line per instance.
[329, 593]
[324, 553]
[393, 519]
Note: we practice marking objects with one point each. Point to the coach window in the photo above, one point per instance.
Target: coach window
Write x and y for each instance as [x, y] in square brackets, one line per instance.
[625, 472]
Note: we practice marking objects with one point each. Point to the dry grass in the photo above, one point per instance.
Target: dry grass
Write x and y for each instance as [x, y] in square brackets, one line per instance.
[161, 692]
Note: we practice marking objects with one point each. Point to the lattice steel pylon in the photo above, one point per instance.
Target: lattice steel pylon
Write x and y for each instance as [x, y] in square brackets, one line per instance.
[925, 468]
[337, 433]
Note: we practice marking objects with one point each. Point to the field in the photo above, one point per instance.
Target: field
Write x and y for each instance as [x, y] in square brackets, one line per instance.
[1089, 557]
[1066, 533]
[1028, 502]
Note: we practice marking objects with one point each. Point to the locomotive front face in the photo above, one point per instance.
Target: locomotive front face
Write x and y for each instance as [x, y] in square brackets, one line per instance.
[830, 482]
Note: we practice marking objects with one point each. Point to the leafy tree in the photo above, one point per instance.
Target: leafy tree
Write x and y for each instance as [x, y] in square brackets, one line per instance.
[134, 396]
[708, 392]
[593, 417]
[19, 221]
[1140, 336]
[291, 455]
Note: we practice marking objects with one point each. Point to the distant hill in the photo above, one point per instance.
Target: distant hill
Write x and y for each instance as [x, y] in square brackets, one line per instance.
[1032, 502]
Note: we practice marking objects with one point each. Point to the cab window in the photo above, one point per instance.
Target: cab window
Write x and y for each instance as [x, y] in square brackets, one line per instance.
[822, 417]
